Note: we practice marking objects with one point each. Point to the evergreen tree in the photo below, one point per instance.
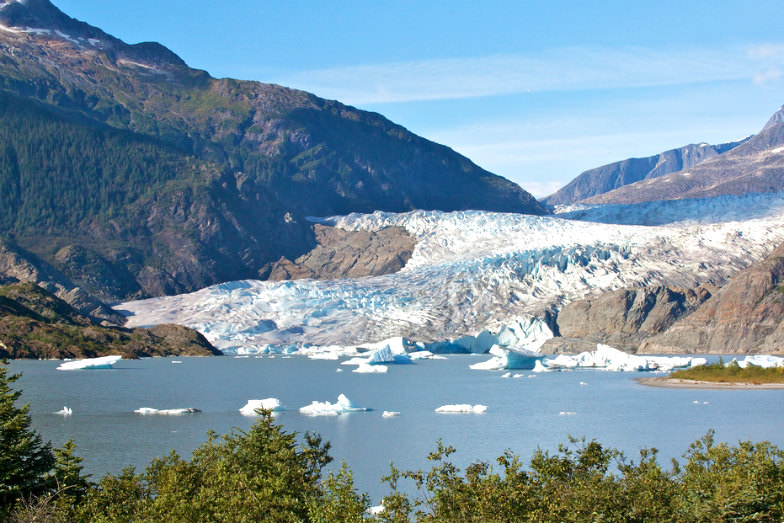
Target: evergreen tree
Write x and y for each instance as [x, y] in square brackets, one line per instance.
[25, 461]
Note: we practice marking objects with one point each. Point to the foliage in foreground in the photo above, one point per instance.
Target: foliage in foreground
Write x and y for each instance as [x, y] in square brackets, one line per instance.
[731, 373]
[267, 474]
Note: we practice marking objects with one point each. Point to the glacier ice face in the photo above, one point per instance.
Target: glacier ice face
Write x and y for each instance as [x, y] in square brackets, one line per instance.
[462, 408]
[325, 408]
[477, 279]
[104, 362]
[250, 408]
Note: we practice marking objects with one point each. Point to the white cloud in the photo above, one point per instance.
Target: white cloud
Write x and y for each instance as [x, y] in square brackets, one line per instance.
[554, 70]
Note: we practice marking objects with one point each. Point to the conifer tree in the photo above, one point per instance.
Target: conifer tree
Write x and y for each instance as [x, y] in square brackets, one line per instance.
[25, 461]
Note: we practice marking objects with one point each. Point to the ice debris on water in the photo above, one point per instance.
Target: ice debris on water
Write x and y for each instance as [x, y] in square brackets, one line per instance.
[146, 411]
[367, 368]
[611, 359]
[325, 408]
[104, 362]
[252, 406]
[461, 408]
[65, 411]
[389, 414]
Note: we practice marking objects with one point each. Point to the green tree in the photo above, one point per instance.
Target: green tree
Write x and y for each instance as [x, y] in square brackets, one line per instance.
[25, 461]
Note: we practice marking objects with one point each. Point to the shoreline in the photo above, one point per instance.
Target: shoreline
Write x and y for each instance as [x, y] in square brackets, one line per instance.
[674, 383]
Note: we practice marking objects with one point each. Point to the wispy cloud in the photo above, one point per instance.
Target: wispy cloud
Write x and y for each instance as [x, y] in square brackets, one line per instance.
[554, 70]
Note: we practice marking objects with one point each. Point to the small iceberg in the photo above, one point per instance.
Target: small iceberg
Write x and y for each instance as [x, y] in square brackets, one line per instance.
[760, 360]
[175, 362]
[367, 368]
[252, 406]
[148, 411]
[65, 411]
[463, 408]
[389, 414]
[325, 408]
[104, 362]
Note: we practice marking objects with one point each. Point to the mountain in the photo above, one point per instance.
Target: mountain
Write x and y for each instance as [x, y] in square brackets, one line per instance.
[744, 316]
[36, 324]
[134, 175]
[754, 166]
[618, 174]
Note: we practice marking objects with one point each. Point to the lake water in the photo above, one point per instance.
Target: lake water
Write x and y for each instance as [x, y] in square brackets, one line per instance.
[522, 413]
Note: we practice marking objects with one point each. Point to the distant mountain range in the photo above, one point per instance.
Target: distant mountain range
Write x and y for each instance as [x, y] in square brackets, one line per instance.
[755, 164]
[132, 175]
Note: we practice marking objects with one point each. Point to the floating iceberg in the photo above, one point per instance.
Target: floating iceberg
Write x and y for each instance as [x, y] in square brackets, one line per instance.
[463, 408]
[611, 359]
[104, 362]
[389, 414]
[366, 368]
[147, 411]
[272, 404]
[65, 411]
[509, 358]
[325, 408]
[761, 360]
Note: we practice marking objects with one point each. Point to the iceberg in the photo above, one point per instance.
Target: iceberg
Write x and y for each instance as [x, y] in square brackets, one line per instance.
[65, 411]
[463, 408]
[250, 408]
[104, 362]
[146, 411]
[612, 359]
[325, 408]
[761, 360]
[509, 358]
[389, 414]
[366, 368]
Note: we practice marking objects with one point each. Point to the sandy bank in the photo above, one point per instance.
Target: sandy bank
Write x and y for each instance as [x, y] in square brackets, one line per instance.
[692, 384]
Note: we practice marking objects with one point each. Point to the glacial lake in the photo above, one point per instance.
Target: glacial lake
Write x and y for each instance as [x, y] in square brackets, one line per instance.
[523, 413]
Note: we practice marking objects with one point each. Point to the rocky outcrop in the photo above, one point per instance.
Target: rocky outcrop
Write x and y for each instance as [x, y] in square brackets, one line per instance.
[16, 265]
[37, 324]
[746, 315]
[623, 318]
[347, 254]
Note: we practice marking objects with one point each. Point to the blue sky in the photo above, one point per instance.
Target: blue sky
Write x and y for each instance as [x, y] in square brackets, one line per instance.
[534, 91]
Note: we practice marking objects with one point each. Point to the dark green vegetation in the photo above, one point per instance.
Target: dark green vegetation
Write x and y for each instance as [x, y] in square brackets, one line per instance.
[730, 373]
[268, 474]
[137, 176]
[36, 324]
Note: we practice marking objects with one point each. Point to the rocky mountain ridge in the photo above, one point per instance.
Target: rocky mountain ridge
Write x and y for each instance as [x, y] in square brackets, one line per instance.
[618, 174]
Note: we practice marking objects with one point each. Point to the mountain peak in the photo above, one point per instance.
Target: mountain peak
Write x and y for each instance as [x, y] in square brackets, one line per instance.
[43, 19]
[777, 118]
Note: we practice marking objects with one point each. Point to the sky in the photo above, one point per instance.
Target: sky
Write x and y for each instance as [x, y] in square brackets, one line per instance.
[536, 92]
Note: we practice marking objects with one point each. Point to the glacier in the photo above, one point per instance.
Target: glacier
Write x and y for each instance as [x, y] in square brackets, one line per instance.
[478, 279]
